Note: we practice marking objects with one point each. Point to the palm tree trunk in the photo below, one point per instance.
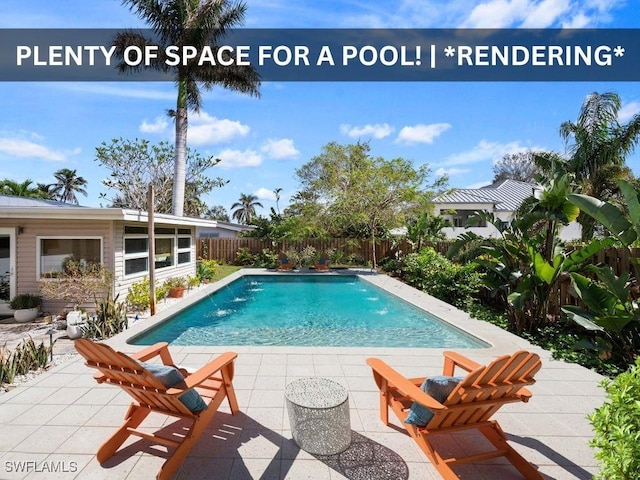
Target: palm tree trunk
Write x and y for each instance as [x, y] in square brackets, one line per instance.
[180, 150]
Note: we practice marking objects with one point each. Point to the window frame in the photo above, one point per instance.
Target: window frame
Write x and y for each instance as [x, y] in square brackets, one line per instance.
[39, 239]
[175, 250]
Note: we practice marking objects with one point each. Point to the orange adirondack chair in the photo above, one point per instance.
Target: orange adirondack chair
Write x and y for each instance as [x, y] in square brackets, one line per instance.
[212, 382]
[470, 405]
[322, 264]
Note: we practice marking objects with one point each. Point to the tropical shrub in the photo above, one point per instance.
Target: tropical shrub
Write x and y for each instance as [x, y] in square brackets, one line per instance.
[264, 259]
[25, 357]
[617, 427]
[612, 302]
[435, 274]
[109, 320]
[25, 301]
[139, 295]
[206, 269]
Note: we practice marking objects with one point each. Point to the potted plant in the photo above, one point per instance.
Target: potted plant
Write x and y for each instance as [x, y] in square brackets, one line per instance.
[176, 286]
[26, 307]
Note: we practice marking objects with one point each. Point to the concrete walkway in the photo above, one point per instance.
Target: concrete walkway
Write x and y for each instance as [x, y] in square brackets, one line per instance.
[58, 420]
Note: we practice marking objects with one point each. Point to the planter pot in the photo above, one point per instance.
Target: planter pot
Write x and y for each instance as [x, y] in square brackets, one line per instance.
[26, 315]
[176, 292]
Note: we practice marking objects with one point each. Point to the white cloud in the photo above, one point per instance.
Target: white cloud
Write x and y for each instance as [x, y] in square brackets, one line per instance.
[579, 20]
[205, 129]
[485, 150]
[379, 130]
[422, 133]
[496, 14]
[539, 13]
[265, 194]
[545, 13]
[239, 159]
[159, 125]
[628, 111]
[452, 172]
[479, 184]
[18, 147]
[280, 149]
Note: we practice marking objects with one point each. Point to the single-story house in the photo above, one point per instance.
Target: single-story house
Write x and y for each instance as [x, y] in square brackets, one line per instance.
[37, 235]
[501, 198]
[223, 230]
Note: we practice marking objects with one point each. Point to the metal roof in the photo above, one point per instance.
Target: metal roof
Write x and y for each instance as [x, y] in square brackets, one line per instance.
[24, 207]
[506, 195]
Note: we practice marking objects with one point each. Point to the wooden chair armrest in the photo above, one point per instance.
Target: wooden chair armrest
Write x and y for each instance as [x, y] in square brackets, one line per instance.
[160, 348]
[524, 394]
[403, 385]
[199, 376]
[453, 360]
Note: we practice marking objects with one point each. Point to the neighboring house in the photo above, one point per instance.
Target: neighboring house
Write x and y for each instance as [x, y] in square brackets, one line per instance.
[37, 235]
[501, 198]
[223, 230]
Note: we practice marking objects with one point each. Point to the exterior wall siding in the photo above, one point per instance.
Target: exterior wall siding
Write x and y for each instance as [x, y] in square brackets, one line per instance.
[123, 283]
[26, 249]
[112, 234]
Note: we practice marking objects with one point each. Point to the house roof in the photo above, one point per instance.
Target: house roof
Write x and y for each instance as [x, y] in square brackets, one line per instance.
[23, 207]
[506, 195]
[234, 227]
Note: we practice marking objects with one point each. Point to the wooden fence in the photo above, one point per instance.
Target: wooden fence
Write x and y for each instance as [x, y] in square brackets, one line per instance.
[225, 249]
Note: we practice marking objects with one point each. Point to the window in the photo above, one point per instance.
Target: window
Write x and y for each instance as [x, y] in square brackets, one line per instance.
[172, 248]
[184, 249]
[54, 252]
[164, 252]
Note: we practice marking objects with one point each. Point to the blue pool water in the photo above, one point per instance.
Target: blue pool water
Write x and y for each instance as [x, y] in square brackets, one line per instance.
[306, 310]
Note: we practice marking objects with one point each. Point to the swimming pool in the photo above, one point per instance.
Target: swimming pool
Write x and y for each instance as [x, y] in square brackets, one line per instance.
[306, 310]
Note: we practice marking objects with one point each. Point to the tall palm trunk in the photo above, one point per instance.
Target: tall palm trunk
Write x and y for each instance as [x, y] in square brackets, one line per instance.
[180, 150]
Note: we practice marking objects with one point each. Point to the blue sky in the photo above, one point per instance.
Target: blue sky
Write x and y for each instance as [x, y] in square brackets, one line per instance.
[457, 128]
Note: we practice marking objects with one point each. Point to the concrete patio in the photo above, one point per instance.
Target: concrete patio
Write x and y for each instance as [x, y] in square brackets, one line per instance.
[58, 420]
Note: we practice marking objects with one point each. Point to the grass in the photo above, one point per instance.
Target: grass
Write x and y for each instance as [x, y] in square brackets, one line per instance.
[224, 271]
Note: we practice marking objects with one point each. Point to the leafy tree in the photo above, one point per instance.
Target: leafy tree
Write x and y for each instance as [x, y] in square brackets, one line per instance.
[68, 183]
[23, 189]
[351, 191]
[516, 166]
[134, 164]
[244, 211]
[217, 212]
[197, 23]
[425, 227]
[597, 147]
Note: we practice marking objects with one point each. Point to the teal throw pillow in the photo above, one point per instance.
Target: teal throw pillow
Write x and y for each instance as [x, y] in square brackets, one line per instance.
[437, 387]
[170, 376]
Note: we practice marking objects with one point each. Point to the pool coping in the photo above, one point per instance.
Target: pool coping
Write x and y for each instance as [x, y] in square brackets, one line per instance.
[497, 339]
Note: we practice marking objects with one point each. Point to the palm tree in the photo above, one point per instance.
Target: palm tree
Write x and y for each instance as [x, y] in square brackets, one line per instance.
[245, 209]
[67, 185]
[24, 189]
[276, 192]
[598, 149]
[197, 23]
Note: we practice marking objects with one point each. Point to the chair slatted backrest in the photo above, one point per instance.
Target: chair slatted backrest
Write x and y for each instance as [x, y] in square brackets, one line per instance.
[484, 390]
[119, 369]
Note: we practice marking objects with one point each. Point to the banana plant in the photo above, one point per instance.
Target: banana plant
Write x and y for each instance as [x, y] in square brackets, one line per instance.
[625, 229]
[610, 312]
